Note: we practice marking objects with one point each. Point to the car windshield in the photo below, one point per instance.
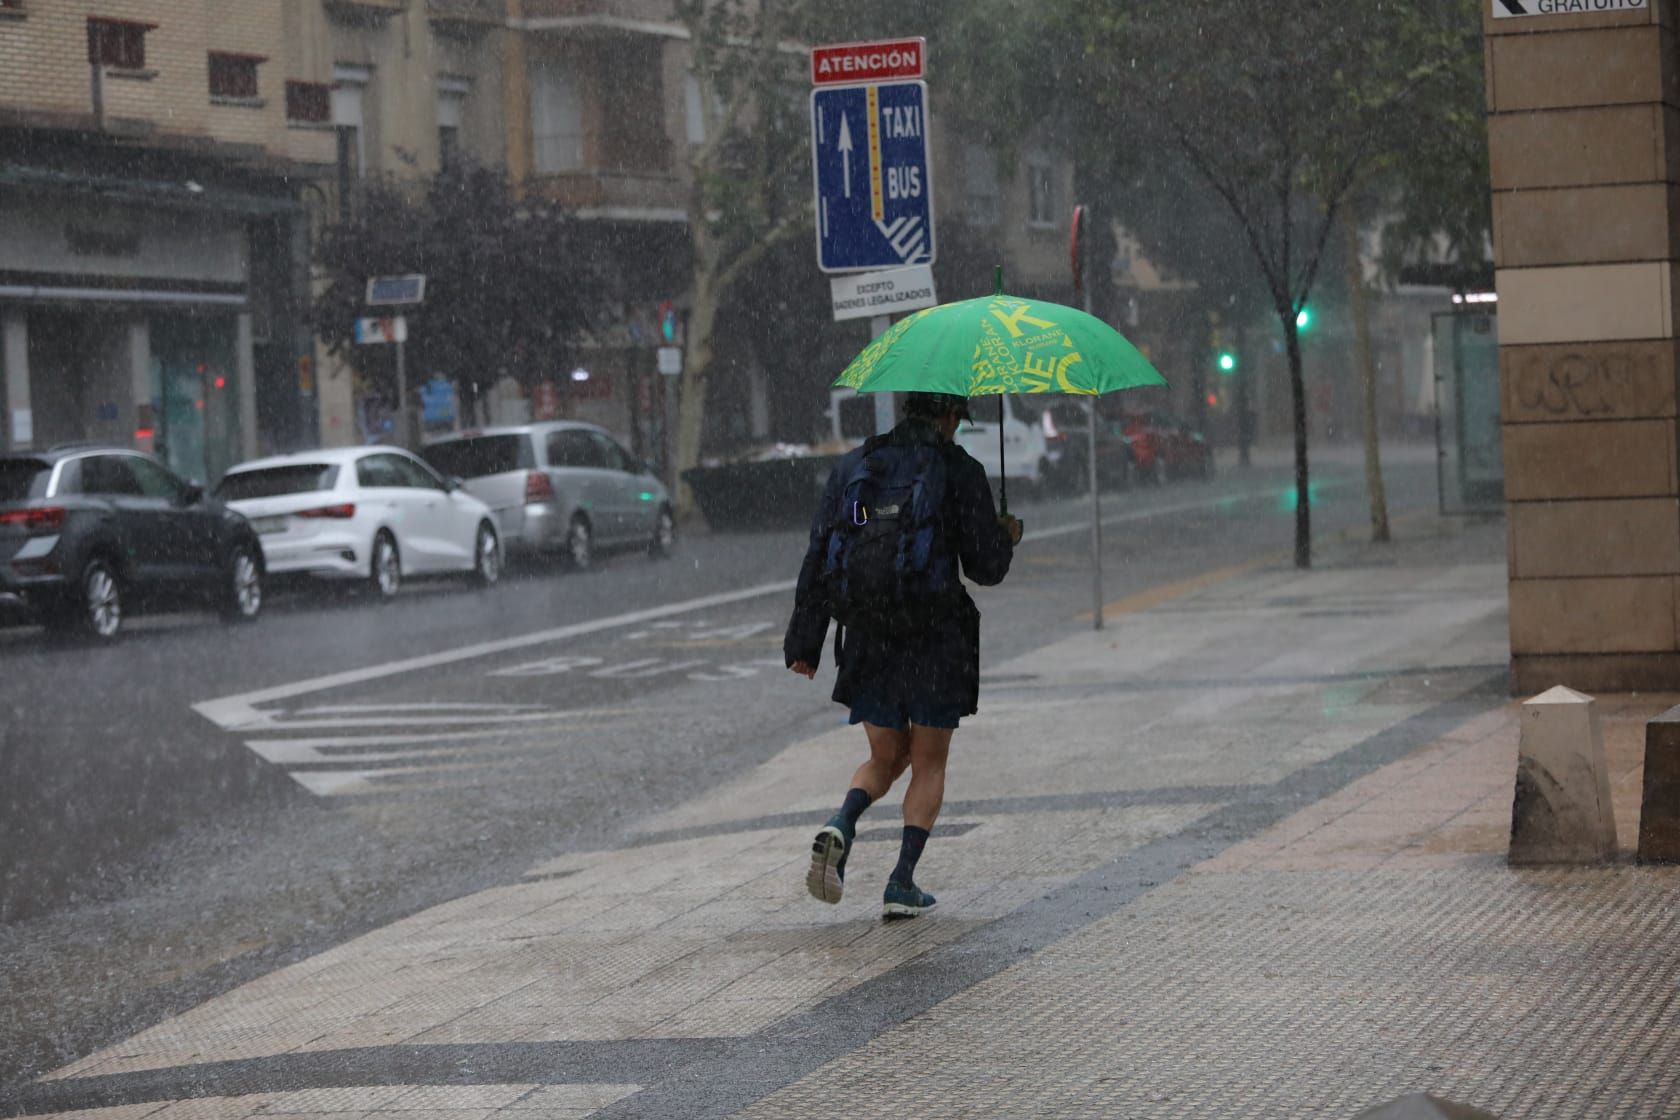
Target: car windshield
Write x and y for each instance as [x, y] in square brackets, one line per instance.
[21, 479]
[274, 482]
[477, 456]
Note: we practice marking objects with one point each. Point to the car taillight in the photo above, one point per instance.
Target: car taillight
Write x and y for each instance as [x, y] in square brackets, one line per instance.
[339, 512]
[43, 519]
[537, 487]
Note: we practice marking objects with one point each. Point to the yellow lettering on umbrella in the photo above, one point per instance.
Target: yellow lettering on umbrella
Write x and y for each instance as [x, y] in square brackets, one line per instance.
[1012, 320]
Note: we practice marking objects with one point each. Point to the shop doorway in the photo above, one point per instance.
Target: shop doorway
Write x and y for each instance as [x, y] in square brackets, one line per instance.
[195, 400]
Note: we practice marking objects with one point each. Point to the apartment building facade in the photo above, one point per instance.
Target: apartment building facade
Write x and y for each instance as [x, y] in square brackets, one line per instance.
[154, 159]
[166, 164]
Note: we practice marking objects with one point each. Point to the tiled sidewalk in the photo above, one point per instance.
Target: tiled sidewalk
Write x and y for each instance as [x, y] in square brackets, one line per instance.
[1238, 855]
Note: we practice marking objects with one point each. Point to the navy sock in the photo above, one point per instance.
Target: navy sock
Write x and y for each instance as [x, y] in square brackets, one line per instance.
[857, 800]
[909, 851]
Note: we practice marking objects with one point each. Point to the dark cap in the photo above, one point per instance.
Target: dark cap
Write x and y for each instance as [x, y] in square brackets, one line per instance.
[931, 406]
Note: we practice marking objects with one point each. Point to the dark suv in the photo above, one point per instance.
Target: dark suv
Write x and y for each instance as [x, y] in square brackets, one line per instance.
[86, 534]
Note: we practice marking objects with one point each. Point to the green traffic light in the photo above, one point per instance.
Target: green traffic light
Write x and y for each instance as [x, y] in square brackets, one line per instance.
[1227, 362]
[1303, 318]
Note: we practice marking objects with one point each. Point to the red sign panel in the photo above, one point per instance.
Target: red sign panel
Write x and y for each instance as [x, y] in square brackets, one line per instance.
[852, 63]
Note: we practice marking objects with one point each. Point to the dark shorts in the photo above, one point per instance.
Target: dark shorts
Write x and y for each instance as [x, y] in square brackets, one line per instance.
[901, 716]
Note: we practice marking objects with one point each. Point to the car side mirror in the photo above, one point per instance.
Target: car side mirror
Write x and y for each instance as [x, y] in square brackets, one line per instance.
[192, 494]
[453, 483]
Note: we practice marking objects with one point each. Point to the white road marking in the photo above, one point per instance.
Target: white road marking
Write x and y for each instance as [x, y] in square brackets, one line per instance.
[421, 706]
[240, 711]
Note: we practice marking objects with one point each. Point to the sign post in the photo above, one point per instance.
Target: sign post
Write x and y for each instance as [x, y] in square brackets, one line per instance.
[873, 180]
[396, 291]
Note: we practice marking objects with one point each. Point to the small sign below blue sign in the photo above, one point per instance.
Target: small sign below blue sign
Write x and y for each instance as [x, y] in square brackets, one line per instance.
[869, 159]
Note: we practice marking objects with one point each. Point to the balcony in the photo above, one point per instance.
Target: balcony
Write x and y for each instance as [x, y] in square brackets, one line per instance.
[652, 17]
[614, 195]
[466, 17]
[363, 13]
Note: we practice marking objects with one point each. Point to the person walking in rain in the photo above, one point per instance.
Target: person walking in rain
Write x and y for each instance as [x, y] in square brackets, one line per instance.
[897, 517]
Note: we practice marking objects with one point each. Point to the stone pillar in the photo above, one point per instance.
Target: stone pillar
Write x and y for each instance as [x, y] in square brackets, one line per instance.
[143, 419]
[1584, 140]
[14, 364]
[1561, 812]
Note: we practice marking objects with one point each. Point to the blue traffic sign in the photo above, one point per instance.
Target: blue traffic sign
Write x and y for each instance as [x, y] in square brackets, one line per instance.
[869, 158]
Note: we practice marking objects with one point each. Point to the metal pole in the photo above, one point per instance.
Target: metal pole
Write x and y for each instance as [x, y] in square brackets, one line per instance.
[403, 439]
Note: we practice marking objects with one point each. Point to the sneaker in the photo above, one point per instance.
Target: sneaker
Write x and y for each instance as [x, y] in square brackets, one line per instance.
[827, 878]
[905, 900]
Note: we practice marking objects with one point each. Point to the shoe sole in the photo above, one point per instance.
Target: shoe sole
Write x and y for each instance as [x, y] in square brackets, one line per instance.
[898, 911]
[823, 879]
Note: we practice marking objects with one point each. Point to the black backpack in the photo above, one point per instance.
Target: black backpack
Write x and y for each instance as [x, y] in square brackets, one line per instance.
[889, 569]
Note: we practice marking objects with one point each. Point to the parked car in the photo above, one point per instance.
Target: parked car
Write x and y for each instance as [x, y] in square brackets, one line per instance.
[378, 514]
[89, 534]
[561, 487]
[1166, 448]
[1067, 433]
[1026, 453]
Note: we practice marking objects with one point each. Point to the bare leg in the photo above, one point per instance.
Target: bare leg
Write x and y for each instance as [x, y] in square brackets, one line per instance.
[929, 748]
[889, 754]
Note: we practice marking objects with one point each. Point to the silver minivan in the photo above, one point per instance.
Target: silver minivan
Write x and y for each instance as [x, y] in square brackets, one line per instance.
[560, 487]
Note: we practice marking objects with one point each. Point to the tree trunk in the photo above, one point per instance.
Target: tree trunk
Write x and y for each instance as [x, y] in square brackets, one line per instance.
[691, 405]
[1298, 393]
[1360, 305]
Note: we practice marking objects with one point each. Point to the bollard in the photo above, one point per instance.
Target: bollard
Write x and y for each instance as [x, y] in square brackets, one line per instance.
[1424, 1106]
[1659, 804]
[1561, 812]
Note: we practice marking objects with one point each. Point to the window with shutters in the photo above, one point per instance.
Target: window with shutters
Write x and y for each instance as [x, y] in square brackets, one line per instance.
[308, 102]
[234, 76]
[117, 43]
[556, 119]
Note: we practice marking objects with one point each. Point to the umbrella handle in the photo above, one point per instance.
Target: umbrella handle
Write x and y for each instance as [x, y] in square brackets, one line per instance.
[1003, 475]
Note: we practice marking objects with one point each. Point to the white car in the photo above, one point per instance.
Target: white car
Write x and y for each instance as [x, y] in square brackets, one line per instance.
[377, 514]
[1027, 454]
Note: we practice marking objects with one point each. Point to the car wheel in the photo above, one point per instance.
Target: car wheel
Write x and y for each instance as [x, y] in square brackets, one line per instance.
[96, 609]
[580, 545]
[385, 569]
[487, 556]
[242, 590]
[664, 534]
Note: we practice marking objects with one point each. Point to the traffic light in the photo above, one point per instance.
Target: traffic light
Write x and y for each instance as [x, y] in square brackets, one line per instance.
[668, 322]
[1227, 362]
[1303, 318]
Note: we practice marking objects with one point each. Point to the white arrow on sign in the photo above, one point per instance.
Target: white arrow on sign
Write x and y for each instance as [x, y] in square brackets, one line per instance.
[846, 155]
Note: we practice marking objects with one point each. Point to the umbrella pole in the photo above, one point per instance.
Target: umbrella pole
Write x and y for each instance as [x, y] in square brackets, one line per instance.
[1003, 476]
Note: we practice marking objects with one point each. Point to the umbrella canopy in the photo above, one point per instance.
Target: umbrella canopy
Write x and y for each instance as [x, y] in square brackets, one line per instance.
[999, 344]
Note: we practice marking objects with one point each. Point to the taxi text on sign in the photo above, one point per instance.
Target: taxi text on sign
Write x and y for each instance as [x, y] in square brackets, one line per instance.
[869, 159]
[1507, 9]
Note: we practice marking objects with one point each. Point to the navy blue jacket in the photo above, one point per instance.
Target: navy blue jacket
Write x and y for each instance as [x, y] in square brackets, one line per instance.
[940, 665]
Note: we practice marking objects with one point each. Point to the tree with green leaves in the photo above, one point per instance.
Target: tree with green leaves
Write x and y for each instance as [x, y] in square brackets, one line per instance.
[506, 284]
[1279, 111]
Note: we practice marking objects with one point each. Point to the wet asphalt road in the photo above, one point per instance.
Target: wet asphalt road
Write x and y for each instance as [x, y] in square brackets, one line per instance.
[152, 855]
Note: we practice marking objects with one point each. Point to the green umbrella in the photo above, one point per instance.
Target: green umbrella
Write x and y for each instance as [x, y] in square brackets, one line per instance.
[999, 344]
